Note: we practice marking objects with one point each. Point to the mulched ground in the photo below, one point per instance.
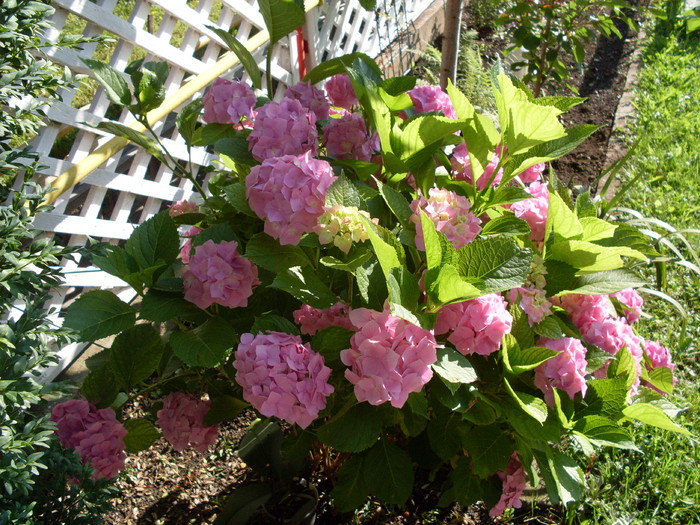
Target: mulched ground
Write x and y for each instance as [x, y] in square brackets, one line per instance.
[164, 487]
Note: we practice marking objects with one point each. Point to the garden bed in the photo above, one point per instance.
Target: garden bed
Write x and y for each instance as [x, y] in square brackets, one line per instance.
[163, 486]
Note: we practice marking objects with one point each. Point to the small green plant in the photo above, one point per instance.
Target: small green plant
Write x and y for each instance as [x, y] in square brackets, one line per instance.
[549, 30]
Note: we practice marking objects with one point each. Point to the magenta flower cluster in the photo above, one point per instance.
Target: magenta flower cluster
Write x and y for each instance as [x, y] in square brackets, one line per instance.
[182, 207]
[311, 98]
[281, 377]
[217, 273]
[389, 358]
[347, 138]
[283, 128]
[566, 370]
[289, 193]
[228, 102]
[450, 214]
[312, 320]
[340, 92]
[462, 168]
[95, 435]
[476, 326]
[534, 210]
[182, 421]
[427, 99]
[514, 482]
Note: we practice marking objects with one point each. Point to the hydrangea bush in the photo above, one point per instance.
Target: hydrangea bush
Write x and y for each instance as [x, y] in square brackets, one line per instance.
[390, 273]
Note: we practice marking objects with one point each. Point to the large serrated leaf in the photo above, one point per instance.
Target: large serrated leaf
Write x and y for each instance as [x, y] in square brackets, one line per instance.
[206, 345]
[490, 449]
[454, 367]
[161, 306]
[350, 489]
[268, 253]
[342, 193]
[134, 136]
[602, 431]
[605, 283]
[154, 241]
[652, 415]
[563, 477]
[281, 17]
[141, 435]
[388, 473]
[111, 80]
[247, 60]
[305, 285]
[498, 261]
[135, 354]
[352, 431]
[97, 314]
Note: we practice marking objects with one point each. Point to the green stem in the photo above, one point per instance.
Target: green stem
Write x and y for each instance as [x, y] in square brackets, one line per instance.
[268, 74]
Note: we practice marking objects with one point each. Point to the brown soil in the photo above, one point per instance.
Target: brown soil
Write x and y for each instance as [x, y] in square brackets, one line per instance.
[161, 486]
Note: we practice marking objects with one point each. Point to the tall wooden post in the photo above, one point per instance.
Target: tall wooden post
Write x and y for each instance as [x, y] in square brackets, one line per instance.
[450, 42]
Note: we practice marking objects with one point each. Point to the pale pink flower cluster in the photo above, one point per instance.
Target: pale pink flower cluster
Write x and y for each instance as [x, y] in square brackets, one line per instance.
[432, 98]
[342, 226]
[227, 102]
[514, 481]
[534, 210]
[633, 301]
[182, 421]
[451, 214]
[312, 320]
[310, 97]
[289, 193]
[533, 302]
[389, 358]
[96, 435]
[186, 250]
[584, 309]
[341, 92]
[282, 377]
[658, 355]
[462, 167]
[476, 326]
[182, 207]
[217, 273]
[347, 138]
[532, 174]
[283, 128]
[566, 370]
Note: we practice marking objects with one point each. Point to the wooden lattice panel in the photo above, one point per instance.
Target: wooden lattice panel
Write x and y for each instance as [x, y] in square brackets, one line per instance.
[131, 186]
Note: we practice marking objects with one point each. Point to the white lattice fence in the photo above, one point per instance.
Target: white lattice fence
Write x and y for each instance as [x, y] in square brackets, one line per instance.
[127, 186]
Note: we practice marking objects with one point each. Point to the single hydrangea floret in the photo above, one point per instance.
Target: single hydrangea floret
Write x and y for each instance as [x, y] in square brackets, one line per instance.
[281, 377]
[217, 273]
[514, 482]
[283, 128]
[289, 194]
[389, 357]
[533, 302]
[182, 421]
[450, 214]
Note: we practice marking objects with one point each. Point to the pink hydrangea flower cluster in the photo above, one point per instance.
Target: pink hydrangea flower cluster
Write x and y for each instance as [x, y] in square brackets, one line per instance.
[462, 167]
[347, 138]
[312, 320]
[658, 355]
[182, 422]
[282, 377]
[182, 207]
[533, 302]
[389, 358]
[217, 273]
[514, 481]
[432, 98]
[533, 211]
[311, 98]
[283, 128]
[341, 92]
[566, 370]
[583, 309]
[633, 301]
[186, 250]
[476, 326]
[289, 192]
[451, 215]
[96, 435]
[342, 226]
[227, 102]
[532, 174]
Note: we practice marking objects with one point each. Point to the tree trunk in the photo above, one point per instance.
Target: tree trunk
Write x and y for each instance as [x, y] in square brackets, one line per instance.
[450, 42]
